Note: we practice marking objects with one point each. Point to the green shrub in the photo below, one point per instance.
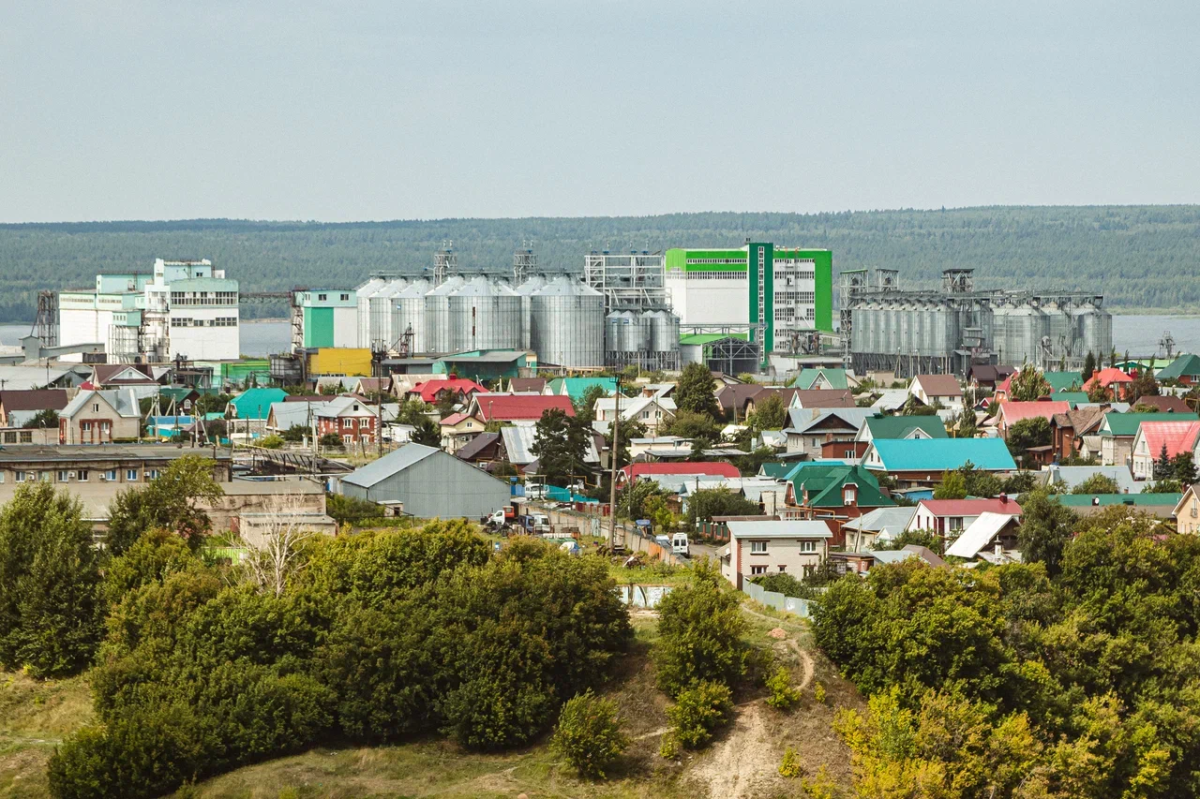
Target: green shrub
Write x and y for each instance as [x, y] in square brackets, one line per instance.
[819, 693]
[700, 628]
[698, 711]
[783, 695]
[271, 442]
[790, 767]
[330, 440]
[589, 735]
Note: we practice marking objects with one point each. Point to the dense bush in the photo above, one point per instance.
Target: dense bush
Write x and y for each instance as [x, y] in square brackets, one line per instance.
[783, 695]
[698, 711]
[588, 735]
[351, 510]
[1019, 680]
[378, 636]
[700, 628]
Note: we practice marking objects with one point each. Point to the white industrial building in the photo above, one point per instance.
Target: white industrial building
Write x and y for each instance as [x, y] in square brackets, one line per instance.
[183, 308]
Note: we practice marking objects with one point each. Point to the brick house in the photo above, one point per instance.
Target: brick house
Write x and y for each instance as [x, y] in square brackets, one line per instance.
[349, 417]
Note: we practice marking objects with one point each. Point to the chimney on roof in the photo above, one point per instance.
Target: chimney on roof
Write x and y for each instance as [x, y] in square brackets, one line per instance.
[1003, 497]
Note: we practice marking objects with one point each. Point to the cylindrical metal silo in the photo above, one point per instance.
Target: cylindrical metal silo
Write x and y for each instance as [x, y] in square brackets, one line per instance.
[437, 315]
[526, 291]
[567, 324]
[484, 316]
[380, 308]
[408, 315]
[664, 332]
[363, 294]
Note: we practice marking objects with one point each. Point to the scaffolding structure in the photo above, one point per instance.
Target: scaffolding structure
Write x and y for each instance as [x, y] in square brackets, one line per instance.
[445, 263]
[46, 327]
[525, 263]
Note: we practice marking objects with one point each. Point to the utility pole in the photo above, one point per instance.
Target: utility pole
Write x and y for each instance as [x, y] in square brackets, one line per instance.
[616, 447]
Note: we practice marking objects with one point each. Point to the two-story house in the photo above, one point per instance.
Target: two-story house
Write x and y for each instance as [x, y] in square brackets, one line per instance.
[100, 417]
[350, 417]
[795, 547]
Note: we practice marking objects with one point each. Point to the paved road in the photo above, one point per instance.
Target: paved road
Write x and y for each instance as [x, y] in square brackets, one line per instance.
[701, 551]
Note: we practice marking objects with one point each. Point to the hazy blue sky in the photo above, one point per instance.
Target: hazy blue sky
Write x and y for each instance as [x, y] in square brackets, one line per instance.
[267, 109]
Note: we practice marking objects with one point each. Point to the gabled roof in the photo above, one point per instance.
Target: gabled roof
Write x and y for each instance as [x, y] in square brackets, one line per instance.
[1107, 377]
[736, 395]
[34, 400]
[455, 418]
[518, 407]
[396, 461]
[430, 389]
[987, 373]
[344, 404]
[939, 385]
[121, 373]
[632, 406]
[1183, 366]
[576, 387]
[1080, 420]
[122, 400]
[255, 403]
[1174, 437]
[722, 468]
[901, 427]
[519, 440]
[979, 533]
[845, 419]
[527, 384]
[970, 507]
[1013, 412]
[1166, 403]
[1127, 424]
[882, 519]
[835, 378]
[1071, 476]
[938, 455]
[779, 529]
[824, 485]
[476, 445]
[1064, 381]
[816, 398]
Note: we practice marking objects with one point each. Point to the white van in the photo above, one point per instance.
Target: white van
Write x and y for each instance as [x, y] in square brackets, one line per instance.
[679, 544]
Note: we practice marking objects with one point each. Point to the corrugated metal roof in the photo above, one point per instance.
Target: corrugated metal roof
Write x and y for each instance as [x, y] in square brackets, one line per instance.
[779, 529]
[937, 455]
[978, 534]
[880, 518]
[390, 464]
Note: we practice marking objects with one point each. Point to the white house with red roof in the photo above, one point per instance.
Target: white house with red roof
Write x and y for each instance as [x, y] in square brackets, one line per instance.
[1153, 437]
[949, 517]
[460, 387]
[517, 408]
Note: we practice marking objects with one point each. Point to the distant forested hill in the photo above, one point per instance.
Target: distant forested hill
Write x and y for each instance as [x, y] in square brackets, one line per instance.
[1138, 256]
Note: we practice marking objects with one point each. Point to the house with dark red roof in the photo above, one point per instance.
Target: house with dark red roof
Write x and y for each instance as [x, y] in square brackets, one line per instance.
[1165, 403]
[949, 517]
[636, 471]
[1156, 439]
[18, 407]
[517, 407]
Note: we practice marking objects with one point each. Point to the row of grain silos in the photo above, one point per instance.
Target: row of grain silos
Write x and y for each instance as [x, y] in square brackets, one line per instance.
[562, 319]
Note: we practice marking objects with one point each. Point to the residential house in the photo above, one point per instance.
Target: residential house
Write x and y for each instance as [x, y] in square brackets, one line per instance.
[890, 400]
[371, 386]
[660, 447]
[735, 397]
[1155, 440]
[835, 494]
[20, 406]
[756, 548]
[1187, 511]
[1069, 477]
[878, 525]
[178, 399]
[809, 430]
[1113, 380]
[1158, 505]
[991, 536]
[122, 375]
[1073, 398]
[920, 462]
[283, 416]
[942, 390]
[516, 407]
[861, 562]
[1013, 412]
[988, 375]
[576, 387]
[1118, 431]
[947, 518]
[1164, 403]
[1068, 429]
[639, 471]
[483, 450]
[1185, 370]
[654, 412]
[901, 428]
[429, 482]
[821, 378]
[517, 441]
[350, 417]
[458, 429]
[1064, 381]
[459, 388]
[100, 417]
[247, 413]
[817, 398]
[526, 385]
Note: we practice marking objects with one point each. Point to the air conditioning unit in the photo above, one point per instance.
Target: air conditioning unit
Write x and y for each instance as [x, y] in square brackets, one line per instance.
[103, 477]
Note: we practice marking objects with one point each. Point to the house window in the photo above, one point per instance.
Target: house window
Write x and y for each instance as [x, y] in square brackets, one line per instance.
[19, 477]
[956, 523]
[152, 474]
[63, 476]
[758, 547]
[321, 297]
[758, 570]
[82, 475]
[45, 476]
[111, 474]
[96, 408]
[27, 437]
[347, 423]
[131, 475]
[782, 568]
[347, 439]
[808, 546]
[10, 438]
[87, 427]
[345, 297]
[105, 427]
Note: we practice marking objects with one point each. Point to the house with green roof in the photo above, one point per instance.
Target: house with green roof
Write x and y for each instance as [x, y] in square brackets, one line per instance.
[1160, 505]
[576, 387]
[921, 461]
[821, 378]
[1118, 431]
[1064, 381]
[1185, 369]
[254, 403]
[825, 486]
[901, 427]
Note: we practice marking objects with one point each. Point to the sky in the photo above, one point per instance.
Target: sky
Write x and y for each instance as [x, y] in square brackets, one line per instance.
[391, 109]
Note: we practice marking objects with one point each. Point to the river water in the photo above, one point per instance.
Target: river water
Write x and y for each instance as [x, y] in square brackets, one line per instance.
[1139, 335]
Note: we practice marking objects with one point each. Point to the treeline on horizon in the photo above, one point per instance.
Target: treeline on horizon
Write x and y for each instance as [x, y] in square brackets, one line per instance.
[1137, 256]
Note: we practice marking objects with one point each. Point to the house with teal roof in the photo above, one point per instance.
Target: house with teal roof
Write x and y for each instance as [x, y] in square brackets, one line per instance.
[809, 379]
[827, 486]
[921, 461]
[576, 387]
[254, 403]
[1064, 381]
[1075, 398]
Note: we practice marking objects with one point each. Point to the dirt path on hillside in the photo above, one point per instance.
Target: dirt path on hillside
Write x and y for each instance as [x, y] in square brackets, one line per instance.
[744, 761]
[807, 666]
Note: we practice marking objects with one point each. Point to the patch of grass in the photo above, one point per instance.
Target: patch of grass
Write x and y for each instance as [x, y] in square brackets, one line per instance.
[34, 718]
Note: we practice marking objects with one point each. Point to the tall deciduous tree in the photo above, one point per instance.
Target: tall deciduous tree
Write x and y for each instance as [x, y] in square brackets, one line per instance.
[560, 443]
[1028, 384]
[1046, 528]
[174, 501]
[770, 414]
[694, 392]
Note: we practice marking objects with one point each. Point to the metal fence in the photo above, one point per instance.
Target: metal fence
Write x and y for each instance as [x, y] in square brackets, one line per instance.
[774, 599]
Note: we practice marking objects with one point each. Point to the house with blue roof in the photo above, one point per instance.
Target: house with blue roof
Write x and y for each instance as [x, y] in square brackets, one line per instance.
[921, 461]
[576, 387]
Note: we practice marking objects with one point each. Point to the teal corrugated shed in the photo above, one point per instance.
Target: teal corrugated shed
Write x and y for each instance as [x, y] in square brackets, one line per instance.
[255, 403]
[941, 454]
[576, 387]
